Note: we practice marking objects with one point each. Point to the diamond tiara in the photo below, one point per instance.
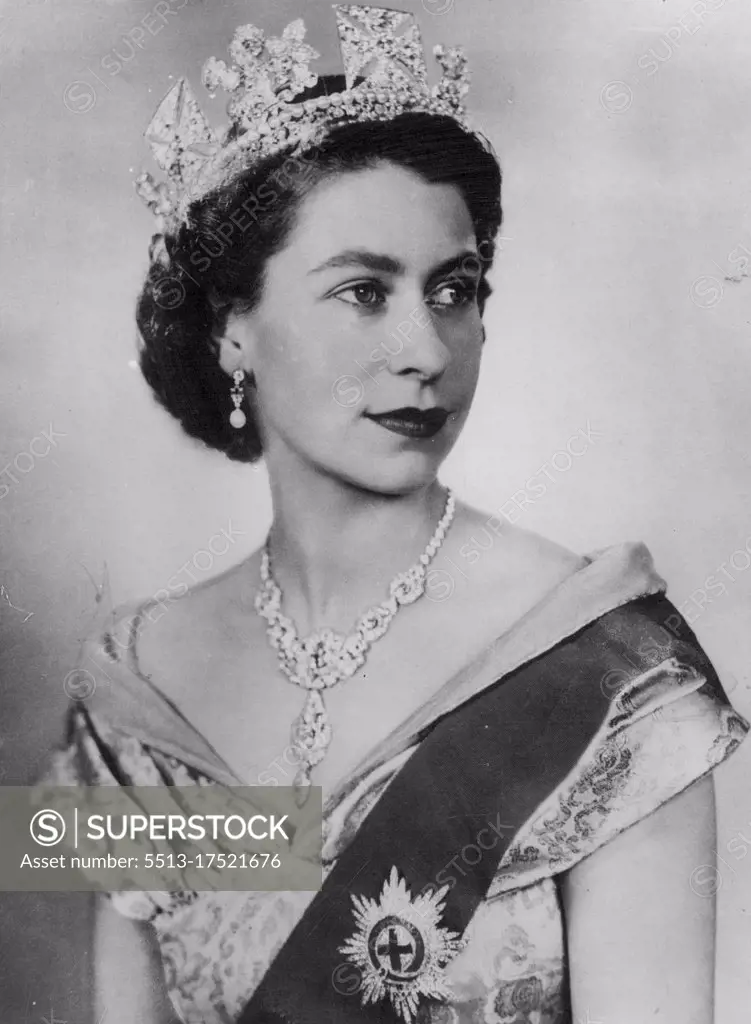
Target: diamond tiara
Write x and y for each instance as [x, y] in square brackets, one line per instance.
[385, 75]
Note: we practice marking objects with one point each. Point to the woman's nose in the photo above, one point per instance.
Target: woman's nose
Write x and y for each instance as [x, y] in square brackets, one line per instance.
[415, 345]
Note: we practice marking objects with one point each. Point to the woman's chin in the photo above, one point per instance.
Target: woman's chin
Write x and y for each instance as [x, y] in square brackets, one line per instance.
[400, 475]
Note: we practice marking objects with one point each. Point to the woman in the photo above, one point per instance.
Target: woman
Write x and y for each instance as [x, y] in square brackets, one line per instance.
[520, 842]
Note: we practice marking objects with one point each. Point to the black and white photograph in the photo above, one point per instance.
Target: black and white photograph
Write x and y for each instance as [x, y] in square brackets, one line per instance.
[374, 470]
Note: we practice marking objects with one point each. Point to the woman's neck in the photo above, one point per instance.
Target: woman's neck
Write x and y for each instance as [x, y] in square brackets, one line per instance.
[335, 548]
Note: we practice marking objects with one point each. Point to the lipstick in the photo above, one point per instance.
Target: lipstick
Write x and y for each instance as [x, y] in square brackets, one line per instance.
[412, 422]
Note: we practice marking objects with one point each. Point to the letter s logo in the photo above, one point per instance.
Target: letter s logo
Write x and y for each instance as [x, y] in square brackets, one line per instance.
[47, 827]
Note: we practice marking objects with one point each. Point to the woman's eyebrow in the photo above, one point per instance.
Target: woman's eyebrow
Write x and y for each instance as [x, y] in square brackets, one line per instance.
[362, 258]
[468, 259]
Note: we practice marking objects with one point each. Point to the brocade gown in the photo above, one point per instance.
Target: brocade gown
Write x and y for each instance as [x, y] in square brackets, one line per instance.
[666, 727]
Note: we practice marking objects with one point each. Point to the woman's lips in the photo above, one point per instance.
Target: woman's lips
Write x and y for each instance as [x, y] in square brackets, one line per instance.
[411, 422]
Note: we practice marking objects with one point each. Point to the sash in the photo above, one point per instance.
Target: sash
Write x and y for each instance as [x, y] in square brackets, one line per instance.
[390, 914]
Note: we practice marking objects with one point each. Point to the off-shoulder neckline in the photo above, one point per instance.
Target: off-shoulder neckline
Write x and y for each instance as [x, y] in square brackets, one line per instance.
[136, 705]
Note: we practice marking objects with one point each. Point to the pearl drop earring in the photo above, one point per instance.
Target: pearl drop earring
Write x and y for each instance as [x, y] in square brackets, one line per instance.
[237, 393]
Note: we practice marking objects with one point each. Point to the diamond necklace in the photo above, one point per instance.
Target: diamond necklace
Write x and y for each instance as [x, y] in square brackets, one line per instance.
[324, 658]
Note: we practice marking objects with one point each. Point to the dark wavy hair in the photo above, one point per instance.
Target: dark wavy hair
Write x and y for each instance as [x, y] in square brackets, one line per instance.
[217, 259]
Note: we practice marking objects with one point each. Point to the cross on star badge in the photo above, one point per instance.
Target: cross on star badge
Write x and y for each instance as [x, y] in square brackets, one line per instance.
[400, 948]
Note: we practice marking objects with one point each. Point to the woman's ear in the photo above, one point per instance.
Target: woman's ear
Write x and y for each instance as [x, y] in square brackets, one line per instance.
[236, 344]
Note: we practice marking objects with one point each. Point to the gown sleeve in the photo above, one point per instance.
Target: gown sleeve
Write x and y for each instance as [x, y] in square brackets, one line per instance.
[667, 727]
[91, 753]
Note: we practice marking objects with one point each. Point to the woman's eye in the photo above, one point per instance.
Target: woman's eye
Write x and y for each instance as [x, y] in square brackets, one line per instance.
[367, 294]
[454, 293]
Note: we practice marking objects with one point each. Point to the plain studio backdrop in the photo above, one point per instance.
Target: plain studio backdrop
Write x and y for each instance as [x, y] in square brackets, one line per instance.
[621, 308]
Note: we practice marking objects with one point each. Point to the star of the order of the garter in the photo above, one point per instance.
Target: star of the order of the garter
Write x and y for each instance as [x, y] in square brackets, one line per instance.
[400, 948]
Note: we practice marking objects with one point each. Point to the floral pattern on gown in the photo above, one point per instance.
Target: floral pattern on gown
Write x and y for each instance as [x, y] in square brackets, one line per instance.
[664, 732]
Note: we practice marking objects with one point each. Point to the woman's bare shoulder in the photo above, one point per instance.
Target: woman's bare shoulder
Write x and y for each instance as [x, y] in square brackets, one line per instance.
[182, 632]
[510, 549]
[495, 572]
[543, 555]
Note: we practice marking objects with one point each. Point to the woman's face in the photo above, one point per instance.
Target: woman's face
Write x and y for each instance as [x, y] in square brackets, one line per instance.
[366, 343]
